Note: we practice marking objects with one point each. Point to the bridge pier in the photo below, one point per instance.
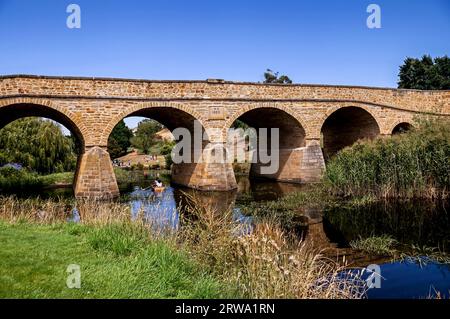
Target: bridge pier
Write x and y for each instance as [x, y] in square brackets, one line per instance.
[313, 162]
[211, 173]
[300, 165]
[204, 176]
[95, 178]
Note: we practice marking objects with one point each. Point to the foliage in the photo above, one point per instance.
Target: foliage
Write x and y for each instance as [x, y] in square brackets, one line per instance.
[57, 178]
[239, 124]
[425, 73]
[274, 77]
[145, 137]
[166, 147]
[38, 145]
[18, 180]
[414, 164]
[119, 140]
[169, 161]
[122, 175]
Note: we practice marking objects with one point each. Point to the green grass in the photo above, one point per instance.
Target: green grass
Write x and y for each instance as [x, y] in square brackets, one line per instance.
[380, 245]
[117, 261]
[57, 178]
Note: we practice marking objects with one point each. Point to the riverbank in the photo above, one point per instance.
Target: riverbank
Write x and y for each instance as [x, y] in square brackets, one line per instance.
[12, 180]
[115, 262]
[120, 257]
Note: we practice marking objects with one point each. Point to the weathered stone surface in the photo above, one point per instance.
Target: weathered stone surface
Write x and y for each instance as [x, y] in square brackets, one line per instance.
[310, 117]
[95, 178]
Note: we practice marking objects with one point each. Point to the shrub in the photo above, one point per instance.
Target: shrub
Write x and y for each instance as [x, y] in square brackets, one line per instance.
[13, 179]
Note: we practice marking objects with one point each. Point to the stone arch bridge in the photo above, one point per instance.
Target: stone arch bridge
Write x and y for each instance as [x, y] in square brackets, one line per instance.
[315, 121]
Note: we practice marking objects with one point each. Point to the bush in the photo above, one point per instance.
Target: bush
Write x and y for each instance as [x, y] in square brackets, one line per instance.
[137, 167]
[169, 161]
[13, 179]
[155, 167]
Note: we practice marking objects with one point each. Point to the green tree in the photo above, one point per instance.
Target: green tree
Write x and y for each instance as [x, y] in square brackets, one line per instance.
[145, 138]
[425, 74]
[38, 145]
[119, 140]
[274, 77]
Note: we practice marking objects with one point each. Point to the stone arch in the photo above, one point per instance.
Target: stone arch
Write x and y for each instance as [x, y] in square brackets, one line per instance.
[401, 127]
[140, 108]
[194, 173]
[341, 105]
[291, 142]
[242, 110]
[16, 108]
[343, 126]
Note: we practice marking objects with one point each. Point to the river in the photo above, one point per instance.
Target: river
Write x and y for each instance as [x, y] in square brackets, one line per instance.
[416, 226]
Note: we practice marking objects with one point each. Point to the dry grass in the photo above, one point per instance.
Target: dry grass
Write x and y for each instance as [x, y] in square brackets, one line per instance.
[49, 211]
[269, 265]
[265, 262]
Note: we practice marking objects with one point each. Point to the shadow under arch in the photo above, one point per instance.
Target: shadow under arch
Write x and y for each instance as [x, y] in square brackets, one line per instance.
[291, 142]
[402, 127]
[11, 112]
[344, 127]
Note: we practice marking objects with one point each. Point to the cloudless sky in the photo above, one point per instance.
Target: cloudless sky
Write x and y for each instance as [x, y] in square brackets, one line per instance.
[324, 42]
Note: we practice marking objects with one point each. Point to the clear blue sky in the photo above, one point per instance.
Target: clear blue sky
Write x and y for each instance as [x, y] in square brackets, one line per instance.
[317, 41]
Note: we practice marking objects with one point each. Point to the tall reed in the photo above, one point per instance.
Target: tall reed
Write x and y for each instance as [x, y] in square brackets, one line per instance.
[414, 164]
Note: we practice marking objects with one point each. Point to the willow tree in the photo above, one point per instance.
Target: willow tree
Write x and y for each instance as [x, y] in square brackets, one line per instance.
[38, 145]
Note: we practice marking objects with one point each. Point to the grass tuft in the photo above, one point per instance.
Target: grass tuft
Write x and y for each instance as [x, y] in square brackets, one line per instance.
[379, 245]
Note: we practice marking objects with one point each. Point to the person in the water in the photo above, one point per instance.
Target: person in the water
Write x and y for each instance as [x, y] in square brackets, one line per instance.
[158, 183]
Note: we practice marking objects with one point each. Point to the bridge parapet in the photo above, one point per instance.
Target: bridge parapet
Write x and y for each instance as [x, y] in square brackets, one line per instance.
[104, 88]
